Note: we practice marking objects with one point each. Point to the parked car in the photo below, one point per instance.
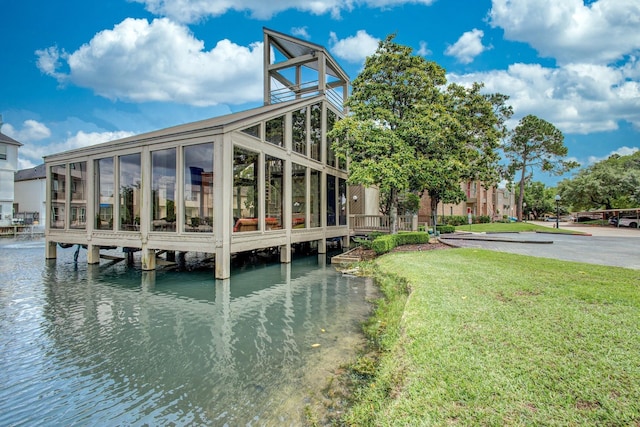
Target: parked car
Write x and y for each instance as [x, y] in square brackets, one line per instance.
[628, 222]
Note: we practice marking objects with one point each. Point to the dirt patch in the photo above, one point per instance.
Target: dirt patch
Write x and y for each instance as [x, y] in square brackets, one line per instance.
[367, 254]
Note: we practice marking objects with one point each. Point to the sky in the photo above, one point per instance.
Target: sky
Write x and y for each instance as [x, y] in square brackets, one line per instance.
[75, 73]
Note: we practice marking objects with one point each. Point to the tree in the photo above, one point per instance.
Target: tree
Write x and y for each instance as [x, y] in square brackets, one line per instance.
[608, 184]
[538, 198]
[395, 102]
[408, 132]
[467, 148]
[535, 143]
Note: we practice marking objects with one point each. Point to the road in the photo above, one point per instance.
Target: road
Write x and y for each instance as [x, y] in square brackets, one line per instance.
[604, 245]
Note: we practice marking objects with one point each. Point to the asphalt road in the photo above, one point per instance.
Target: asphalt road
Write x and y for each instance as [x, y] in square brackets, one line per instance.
[614, 247]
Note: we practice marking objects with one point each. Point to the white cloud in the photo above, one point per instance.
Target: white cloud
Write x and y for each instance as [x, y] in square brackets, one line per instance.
[468, 46]
[622, 151]
[577, 98]
[31, 131]
[195, 10]
[300, 32]
[33, 152]
[355, 48]
[601, 31]
[139, 61]
[424, 50]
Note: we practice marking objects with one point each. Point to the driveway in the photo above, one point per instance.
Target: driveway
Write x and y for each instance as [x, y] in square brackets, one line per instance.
[606, 245]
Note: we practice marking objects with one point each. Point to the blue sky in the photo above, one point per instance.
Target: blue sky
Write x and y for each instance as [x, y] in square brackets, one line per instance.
[76, 73]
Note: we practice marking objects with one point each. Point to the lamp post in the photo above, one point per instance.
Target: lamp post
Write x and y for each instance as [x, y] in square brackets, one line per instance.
[558, 210]
[524, 209]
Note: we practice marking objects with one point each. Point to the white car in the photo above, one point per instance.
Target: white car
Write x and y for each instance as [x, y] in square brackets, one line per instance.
[628, 222]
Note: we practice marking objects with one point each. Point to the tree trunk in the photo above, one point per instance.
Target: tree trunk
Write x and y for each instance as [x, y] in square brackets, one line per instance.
[394, 211]
[521, 195]
[434, 213]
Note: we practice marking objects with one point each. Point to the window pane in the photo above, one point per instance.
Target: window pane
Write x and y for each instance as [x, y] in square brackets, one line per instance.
[253, 131]
[316, 130]
[78, 176]
[298, 195]
[163, 190]
[275, 131]
[331, 200]
[299, 131]
[274, 182]
[58, 196]
[342, 191]
[314, 198]
[245, 190]
[331, 121]
[104, 189]
[130, 192]
[198, 187]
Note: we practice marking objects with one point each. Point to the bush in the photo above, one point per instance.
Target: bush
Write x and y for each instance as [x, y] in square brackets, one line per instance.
[444, 229]
[386, 243]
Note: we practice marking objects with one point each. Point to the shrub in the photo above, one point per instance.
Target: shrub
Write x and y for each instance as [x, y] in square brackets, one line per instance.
[386, 243]
[443, 229]
[482, 219]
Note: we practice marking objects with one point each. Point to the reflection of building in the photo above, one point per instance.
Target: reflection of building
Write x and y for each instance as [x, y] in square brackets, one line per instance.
[8, 166]
[480, 201]
[256, 179]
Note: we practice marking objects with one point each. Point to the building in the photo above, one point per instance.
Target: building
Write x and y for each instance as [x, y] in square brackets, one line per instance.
[480, 201]
[8, 166]
[257, 179]
[30, 195]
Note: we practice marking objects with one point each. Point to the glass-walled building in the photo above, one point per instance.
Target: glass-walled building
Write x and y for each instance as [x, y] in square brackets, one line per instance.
[257, 179]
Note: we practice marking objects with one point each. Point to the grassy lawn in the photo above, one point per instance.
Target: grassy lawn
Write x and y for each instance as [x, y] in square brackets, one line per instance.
[504, 227]
[489, 338]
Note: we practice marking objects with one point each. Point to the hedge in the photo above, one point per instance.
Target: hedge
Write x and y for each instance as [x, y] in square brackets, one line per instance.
[443, 229]
[386, 243]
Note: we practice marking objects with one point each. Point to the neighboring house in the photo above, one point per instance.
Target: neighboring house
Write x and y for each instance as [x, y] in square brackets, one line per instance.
[30, 195]
[480, 201]
[8, 166]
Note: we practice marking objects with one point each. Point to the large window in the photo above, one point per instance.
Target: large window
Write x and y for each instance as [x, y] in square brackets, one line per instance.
[198, 187]
[299, 130]
[314, 198]
[245, 190]
[58, 196]
[130, 192]
[298, 195]
[104, 190]
[274, 183]
[342, 200]
[316, 130]
[78, 176]
[331, 200]
[163, 190]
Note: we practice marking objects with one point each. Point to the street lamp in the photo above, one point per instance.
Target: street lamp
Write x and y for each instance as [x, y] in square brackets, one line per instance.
[524, 210]
[558, 210]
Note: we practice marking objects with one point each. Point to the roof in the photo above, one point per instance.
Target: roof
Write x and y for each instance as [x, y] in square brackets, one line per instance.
[220, 124]
[8, 140]
[39, 172]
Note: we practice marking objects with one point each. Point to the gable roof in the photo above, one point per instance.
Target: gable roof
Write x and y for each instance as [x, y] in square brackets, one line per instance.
[8, 140]
[39, 172]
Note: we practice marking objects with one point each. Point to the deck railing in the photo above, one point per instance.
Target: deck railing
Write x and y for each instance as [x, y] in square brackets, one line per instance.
[382, 223]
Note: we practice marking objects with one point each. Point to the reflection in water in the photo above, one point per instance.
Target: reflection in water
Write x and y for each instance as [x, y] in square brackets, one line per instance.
[110, 345]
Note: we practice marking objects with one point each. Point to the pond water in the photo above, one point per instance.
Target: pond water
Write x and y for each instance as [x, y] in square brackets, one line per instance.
[112, 345]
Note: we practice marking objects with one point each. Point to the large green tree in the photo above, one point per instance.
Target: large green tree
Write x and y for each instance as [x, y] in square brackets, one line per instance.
[609, 184]
[409, 132]
[394, 103]
[535, 143]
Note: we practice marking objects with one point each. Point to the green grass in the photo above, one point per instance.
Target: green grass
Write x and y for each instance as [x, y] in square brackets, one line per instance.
[516, 227]
[489, 338]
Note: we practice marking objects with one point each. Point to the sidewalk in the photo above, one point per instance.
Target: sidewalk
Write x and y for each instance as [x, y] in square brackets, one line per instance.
[594, 230]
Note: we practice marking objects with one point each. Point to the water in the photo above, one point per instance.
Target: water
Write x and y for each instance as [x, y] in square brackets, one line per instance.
[111, 345]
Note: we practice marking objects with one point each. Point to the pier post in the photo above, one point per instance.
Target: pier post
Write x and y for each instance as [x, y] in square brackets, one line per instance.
[148, 259]
[50, 250]
[285, 253]
[93, 254]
